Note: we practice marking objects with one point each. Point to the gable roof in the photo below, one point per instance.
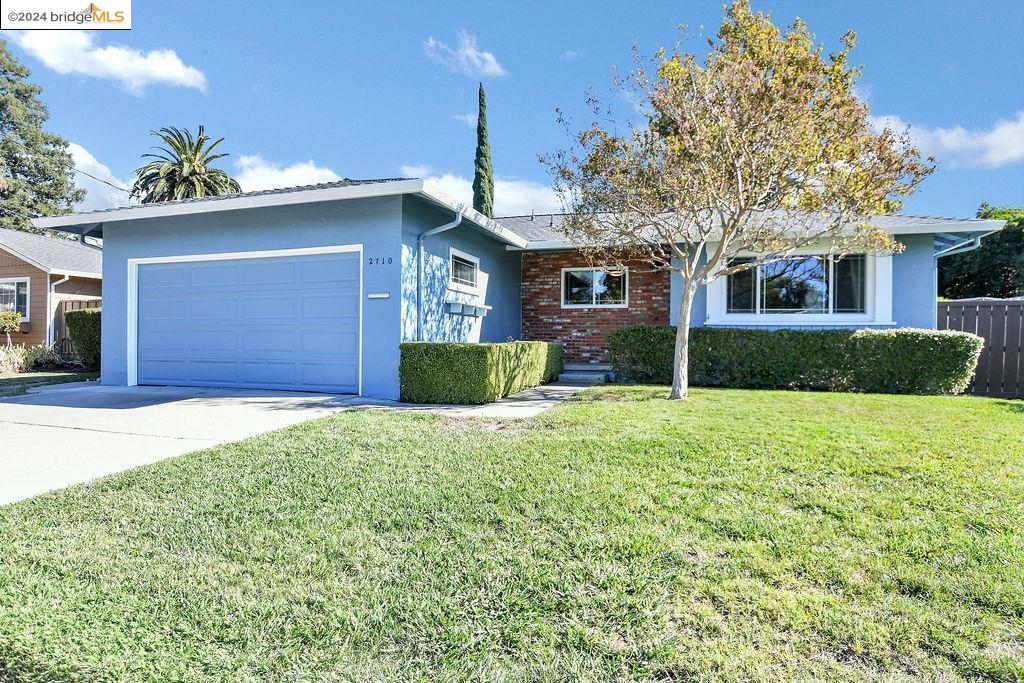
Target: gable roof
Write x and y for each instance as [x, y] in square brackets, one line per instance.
[543, 230]
[91, 222]
[53, 254]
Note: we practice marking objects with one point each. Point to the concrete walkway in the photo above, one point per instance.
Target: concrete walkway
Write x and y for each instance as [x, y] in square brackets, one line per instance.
[66, 434]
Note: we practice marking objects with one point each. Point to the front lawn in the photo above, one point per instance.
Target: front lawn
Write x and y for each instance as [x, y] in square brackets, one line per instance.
[19, 383]
[739, 536]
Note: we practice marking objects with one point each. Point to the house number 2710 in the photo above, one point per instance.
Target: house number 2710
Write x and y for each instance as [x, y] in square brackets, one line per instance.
[380, 260]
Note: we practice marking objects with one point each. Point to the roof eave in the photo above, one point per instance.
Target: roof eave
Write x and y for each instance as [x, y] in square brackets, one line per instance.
[132, 213]
[74, 222]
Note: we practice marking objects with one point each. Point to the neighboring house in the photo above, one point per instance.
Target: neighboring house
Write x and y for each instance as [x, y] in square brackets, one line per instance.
[38, 273]
[314, 288]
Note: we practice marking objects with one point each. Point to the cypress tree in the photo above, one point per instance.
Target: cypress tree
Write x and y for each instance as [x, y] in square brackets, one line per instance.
[36, 166]
[483, 172]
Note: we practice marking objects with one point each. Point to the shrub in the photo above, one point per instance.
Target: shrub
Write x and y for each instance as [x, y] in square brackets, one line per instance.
[474, 373]
[908, 361]
[905, 361]
[13, 359]
[44, 357]
[10, 322]
[84, 330]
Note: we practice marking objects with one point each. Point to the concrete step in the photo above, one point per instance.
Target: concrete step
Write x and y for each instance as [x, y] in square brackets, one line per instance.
[581, 377]
[587, 367]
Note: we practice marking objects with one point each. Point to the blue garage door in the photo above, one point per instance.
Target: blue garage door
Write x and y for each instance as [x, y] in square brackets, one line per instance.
[289, 322]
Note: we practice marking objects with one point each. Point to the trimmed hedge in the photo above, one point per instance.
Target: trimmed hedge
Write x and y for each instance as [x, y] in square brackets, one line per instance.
[901, 361]
[432, 372]
[84, 330]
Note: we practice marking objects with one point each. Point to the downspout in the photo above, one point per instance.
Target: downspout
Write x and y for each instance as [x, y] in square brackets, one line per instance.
[419, 269]
[50, 340]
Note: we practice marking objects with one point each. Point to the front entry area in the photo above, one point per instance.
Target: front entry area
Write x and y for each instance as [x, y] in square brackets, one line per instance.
[269, 320]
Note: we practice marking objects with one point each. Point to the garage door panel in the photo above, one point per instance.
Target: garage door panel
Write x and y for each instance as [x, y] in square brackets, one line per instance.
[329, 374]
[329, 341]
[172, 276]
[214, 307]
[269, 307]
[275, 341]
[265, 272]
[217, 342]
[322, 306]
[331, 270]
[276, 323]
[211, 274]
[262, 374]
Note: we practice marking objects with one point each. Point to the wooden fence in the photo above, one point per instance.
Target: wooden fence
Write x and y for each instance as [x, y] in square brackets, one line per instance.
[61, 327]
[1000, 369]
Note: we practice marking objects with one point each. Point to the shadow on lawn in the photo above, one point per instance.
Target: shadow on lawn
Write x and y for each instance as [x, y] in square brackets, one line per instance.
[1012, 406]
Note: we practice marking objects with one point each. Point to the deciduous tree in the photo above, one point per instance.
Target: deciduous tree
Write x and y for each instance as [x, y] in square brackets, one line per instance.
[758, 149]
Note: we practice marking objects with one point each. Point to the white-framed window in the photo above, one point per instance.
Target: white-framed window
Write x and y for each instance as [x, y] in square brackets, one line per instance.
[595, 288]
[15, 296]
[463, 271]
[810, 284]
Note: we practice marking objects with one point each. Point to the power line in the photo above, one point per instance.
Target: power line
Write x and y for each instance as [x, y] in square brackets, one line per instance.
[101, 180]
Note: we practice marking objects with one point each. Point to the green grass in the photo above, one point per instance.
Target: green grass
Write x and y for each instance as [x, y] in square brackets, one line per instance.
[739, 536]
[19, 383]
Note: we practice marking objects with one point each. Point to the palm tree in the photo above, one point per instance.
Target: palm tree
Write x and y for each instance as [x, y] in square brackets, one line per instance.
[181, 169]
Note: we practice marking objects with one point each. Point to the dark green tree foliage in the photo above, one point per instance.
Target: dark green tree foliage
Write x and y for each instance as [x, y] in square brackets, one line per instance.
[995, 269]
[182, 169]
[483, 172]
[36, 170]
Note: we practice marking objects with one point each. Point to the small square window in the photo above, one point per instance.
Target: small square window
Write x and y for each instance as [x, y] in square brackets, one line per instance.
[465, 270]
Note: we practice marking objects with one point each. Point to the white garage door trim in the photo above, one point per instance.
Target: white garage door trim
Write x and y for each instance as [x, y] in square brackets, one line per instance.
[133, 291]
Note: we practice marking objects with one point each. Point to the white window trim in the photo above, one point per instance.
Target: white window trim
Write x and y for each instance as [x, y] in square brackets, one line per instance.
[28, 295]
[133, 292]
[561, 288]
[877, 300]
[459, 286]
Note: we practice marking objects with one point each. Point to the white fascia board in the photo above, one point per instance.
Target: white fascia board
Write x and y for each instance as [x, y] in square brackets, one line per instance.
[76, 273]
[132, 213]
[975, 225]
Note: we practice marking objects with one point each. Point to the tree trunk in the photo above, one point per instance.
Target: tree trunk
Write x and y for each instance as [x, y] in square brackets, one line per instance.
[681, 371]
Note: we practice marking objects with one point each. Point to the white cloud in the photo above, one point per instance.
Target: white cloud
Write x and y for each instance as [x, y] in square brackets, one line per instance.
[512, 196]
[256, 173]
[1000, 145]
[468, 119]
[414, 171]
[75, 52]
[467, 58]
[572, 55]
[98, 194]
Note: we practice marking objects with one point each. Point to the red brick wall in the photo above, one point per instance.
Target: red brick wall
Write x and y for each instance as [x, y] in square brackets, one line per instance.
[581, 331]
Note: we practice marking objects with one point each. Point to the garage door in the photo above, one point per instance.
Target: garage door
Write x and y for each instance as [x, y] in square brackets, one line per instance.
[282, 322]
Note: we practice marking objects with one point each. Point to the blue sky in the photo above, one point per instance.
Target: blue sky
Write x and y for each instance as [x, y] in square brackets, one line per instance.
[327, 89]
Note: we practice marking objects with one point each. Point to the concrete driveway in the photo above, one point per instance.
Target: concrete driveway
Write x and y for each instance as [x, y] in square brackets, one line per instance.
[65, 435]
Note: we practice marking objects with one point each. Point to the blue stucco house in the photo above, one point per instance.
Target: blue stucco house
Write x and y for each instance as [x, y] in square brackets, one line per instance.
[314, 288]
